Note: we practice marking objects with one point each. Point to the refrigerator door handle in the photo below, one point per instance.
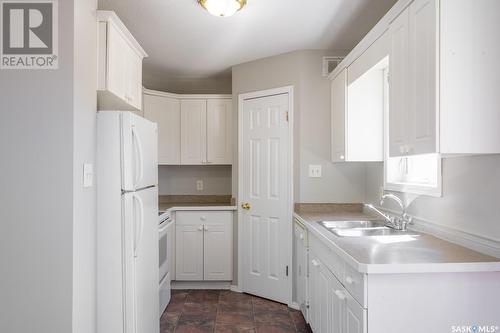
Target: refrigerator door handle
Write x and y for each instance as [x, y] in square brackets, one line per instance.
[138, 229]
[138, 144]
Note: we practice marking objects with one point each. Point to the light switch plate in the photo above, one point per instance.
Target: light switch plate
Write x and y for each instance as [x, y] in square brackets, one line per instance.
[88, 175]
[199, 185]
[314, 171]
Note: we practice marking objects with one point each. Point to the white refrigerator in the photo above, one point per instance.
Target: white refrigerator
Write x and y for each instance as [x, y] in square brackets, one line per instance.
[127, 230]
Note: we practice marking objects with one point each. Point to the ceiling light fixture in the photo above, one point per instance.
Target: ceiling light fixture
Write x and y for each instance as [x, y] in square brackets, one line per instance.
[222, 8]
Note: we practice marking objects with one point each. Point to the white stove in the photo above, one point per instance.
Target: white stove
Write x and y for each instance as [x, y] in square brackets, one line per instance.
[166, 237]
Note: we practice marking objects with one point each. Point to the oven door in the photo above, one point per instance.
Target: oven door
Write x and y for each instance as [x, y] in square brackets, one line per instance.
[165, 239]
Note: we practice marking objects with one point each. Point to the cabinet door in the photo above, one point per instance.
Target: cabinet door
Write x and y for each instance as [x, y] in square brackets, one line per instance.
[313, 292]
[422, 77]
[318, 308]
[134, 79]
[193, 132]
[219, 144]
[336, 306]
[166, 112]
[188, 251]
[398, 96]
[218, 248]
[116, 74]
[338, 112]
[355, 316]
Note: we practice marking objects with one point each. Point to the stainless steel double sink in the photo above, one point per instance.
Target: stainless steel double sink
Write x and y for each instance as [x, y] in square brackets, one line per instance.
[362, 228]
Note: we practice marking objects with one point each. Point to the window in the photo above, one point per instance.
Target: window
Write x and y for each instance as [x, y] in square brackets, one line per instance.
[419, 174]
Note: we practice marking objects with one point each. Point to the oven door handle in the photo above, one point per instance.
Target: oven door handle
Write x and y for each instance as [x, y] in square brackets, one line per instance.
[163, 230]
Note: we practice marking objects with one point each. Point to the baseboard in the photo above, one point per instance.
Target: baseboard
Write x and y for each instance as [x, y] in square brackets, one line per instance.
[236, 289]
[224, 285]
[294, 305]
[474, 242]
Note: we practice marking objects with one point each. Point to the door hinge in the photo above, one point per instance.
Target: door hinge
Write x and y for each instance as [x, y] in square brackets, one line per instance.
[286, 270]
[286, 116]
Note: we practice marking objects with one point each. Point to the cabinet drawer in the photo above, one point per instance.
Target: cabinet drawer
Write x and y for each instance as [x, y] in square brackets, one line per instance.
[355, 283]
[203, 217]
[332, 261]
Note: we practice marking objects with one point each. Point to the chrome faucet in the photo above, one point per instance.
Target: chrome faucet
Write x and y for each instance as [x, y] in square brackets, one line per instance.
[396, 222]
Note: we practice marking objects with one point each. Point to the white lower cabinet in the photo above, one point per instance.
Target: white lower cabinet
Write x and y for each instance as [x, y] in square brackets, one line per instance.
[331, 308]
[204, 246]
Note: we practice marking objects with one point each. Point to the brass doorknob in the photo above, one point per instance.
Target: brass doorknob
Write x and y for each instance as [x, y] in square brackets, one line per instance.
[245, 205]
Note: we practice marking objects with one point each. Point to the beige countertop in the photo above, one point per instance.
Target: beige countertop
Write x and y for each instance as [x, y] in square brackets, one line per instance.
[391, 254]
[194, 205]
[195, 202]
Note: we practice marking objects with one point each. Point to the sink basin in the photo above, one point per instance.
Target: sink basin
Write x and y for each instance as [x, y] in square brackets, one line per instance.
[351, 224]
[362, 229]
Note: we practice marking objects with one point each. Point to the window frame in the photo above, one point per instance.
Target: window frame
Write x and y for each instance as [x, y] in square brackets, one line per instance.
[420, 189]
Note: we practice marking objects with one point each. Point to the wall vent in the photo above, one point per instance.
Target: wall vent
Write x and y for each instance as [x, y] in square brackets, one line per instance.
[330, 63]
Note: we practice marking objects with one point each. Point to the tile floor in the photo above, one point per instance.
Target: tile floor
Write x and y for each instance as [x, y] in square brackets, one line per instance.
[222, 311]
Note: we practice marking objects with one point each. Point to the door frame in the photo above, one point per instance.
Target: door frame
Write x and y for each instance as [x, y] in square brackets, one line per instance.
[289, 215]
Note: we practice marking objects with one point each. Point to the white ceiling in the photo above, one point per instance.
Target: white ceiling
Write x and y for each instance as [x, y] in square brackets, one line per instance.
[185, 43]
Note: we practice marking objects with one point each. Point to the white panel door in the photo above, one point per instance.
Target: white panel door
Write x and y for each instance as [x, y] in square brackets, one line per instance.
[219, 144]
[267, 227]
[398, 97]
[140, 253]
[218, 249]
[338, 116]
[193, 132]
[422, 77]
[166, 112]
[188, 248]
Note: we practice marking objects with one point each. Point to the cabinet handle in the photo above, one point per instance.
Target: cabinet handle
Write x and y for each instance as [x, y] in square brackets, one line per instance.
[340, 295]
[315, 263]
[200, 228]
[349, 280]
[203, 218]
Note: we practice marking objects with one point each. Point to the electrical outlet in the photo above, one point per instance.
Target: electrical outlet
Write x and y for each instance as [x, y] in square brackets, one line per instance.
[199, 185]
[315, 171]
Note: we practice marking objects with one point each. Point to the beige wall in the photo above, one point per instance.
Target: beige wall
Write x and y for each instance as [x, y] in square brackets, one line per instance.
[302, 70]
[36, 175]
[85, 199]
[471, 196]
[181, 180]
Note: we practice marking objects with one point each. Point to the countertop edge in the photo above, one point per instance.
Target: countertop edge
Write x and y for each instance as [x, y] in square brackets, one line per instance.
[198, 208]
[400, 268]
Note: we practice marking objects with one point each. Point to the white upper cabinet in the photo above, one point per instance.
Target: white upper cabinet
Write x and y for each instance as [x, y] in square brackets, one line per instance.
[206, 131]
[166, 112]
[339, 106]
[358, 106]
[444, 69]
[192, 129]
[219, 144]
[398, 71]
[193, 132]
[120, 65]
